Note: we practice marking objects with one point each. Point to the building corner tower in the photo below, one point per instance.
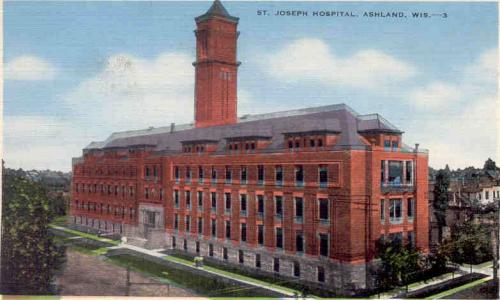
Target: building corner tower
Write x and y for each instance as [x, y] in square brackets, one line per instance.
[216, 67]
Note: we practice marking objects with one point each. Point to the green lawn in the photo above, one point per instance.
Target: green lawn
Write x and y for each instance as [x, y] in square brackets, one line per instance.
[458, 289]
[85, 235]
[231, 274]
[203, 285]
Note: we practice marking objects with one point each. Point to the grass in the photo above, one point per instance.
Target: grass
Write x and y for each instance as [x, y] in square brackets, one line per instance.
[458, 289]
[484, 265]
[85, 235]
[60, 221]
[203, 285]
[232, 275]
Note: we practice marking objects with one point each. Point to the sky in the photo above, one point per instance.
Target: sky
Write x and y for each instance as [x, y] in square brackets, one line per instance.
[74, 72]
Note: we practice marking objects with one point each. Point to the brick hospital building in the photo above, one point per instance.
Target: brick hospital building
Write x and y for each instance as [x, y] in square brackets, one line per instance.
[304, 194]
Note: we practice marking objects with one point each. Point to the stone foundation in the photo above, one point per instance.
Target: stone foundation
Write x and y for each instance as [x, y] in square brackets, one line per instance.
[339, 278]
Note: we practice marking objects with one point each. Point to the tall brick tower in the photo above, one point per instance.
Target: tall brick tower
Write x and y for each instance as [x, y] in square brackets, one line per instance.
[216, 67]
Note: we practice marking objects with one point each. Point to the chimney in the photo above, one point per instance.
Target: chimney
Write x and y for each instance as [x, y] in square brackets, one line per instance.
[416, 147]
[172, 127]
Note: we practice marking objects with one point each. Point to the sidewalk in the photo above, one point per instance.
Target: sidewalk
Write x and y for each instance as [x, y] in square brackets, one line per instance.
[418, 285]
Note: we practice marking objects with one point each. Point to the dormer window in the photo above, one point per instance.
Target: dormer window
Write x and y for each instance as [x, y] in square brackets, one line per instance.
[230, 146]
[297, 144]
[290, 144]
[312, 142]
[252, 146]
[320, 142]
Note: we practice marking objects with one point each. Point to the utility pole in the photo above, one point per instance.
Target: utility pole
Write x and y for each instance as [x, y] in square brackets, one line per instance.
[494, 241]
[127, 284]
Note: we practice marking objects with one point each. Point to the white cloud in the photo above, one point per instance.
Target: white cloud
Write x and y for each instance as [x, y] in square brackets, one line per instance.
[40, 142]
[131, 92]
[435, 95]
[462, 120]
[313, 60]
[29, 68]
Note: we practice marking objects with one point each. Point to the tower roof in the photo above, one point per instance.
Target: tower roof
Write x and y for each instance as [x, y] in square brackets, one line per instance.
[217, 10]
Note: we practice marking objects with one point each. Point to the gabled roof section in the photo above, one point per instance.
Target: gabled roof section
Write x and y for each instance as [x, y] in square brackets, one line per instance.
[338, 118]
[217, 10]
[376, 123]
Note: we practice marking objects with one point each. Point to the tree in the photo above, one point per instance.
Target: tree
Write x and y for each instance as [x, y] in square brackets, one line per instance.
[440, 203]
[490, 165]
[30, 258]
[398, 264]
[470, 243]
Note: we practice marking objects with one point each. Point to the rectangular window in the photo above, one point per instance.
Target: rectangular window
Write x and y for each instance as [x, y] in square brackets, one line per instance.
[395, 145]
[213, 198]
[213, 175]
[241, 256]
[410, 206]
[188, 199]
[229, 174]
[382, 210]
[486, 195]
[243, 175]
[200, 225]
[260, 205]
[276, 265]
[411, 239]
[243, 204]
[299, 176]
[323, 244]
[188, 223]
[177, 173]
[228, 202]
[243, 232]
[224, 253]
[176, 221]
[260, 234]
[188, 174]
[173, 242]
[176, 198]
[200, 200]
[395, 172]
[296, 269]
[409, 172]
[213, 227]
[210, 250]
[323, 176]
[279, 175]
[396, 238]
[260, 174]
[299, 242]
[382, 172]
[395, 212]
[323, 209]
[200, 174]
[197, 247]
[279, 206]
[321, 274]
[257, 261]
[299, 209]
[387, 145]
[228, 229]
[279, 238]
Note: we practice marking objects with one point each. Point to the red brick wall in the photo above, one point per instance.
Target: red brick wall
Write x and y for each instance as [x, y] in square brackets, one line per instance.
[354, 191]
